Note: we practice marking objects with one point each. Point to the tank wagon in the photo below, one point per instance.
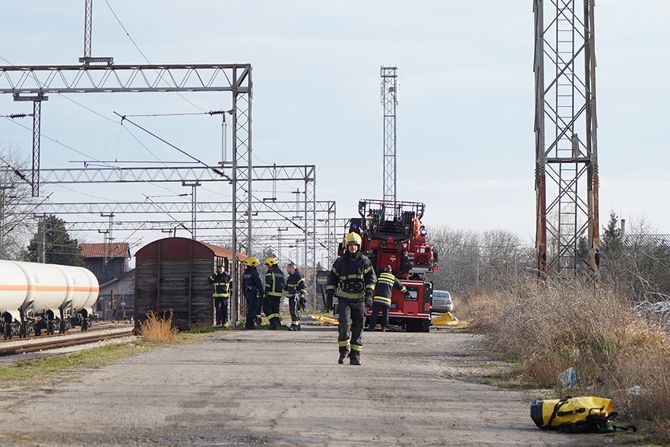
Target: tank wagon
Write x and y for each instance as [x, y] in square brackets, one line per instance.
[40, 297]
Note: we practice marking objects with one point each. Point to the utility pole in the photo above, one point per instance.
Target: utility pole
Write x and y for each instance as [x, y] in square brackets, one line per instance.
[108, 236]
[41, 238]
[389, 98]
[566, 170]
[194, 204]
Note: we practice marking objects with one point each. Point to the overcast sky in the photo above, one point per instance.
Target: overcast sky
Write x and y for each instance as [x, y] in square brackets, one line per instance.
[465, 118]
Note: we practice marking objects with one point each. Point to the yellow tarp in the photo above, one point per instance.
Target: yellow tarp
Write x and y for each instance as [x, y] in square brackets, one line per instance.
[325, 321]
[448, 319]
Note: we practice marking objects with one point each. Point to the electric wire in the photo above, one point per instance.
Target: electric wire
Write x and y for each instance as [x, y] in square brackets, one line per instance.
[142, 53]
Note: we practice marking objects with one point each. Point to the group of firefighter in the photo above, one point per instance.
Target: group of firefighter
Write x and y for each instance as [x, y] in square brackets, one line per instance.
[352, 280]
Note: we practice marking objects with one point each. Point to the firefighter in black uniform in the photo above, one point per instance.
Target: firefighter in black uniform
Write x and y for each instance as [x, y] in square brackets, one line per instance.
[220, 282]
[274, 287]
[253, 292]
[352, 279]
[295, 285]
[381, 299]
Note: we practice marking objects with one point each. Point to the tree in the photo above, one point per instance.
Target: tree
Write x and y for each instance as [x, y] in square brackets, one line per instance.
[59, 248]
[14, 189]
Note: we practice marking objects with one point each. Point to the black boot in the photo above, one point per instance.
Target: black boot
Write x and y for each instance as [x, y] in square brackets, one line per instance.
[343, 355]
[355, 358]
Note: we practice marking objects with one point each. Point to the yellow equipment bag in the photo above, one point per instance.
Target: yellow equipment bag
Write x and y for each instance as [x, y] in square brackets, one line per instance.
[586, 414]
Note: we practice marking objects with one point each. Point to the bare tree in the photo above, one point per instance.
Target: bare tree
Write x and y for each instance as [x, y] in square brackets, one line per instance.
[14, 189]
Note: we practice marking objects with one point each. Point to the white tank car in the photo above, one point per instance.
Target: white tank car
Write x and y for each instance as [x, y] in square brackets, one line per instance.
[40, 287]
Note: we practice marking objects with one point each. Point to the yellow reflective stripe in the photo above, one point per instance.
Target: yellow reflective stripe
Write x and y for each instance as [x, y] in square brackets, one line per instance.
[343, 343]
[370, 286]
[271, 316]
[387, 276]
[383, 281]
[382, 298]
[349, 295]
[357, 348]
[351, 276]
[403, 290]
[301, 280]
[220, 295]
[296, 322]
[334, 270]
[274, 294]
[330, 287]
[368, 269]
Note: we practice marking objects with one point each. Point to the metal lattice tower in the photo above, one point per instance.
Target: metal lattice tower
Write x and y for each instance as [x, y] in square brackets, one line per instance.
[389, 97]
[565, 137]
[88, 27]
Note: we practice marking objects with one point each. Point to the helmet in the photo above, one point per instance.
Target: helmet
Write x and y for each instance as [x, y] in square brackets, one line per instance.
[271, 261]
[353, 238]
[252, 261]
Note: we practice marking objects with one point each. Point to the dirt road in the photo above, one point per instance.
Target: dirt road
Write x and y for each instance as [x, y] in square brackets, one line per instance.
[282, 388]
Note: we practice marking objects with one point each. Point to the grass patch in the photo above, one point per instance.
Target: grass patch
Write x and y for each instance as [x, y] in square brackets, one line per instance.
[156, 329]
[37, 370]
[595, 330]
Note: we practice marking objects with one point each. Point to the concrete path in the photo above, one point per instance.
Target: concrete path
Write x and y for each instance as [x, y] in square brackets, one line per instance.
[282, 388]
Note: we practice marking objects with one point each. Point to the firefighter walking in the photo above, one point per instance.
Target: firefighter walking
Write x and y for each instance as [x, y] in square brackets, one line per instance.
[252, 287]
[381, 299]
[274, 287]
[295, 286]
[221, 283]
[352, 279]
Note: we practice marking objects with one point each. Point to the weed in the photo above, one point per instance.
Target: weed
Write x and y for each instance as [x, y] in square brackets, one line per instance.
[158, 330]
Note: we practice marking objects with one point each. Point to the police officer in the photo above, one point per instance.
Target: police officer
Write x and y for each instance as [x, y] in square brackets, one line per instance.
[220, 282]
[295, 285]
[274, 286]
[381, 301]
[352, 279]
[253, 292]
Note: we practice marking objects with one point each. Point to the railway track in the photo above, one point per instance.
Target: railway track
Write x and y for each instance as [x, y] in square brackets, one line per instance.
[63, 341]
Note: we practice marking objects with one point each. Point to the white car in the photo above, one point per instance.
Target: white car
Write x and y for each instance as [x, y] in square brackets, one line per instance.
[442, 301]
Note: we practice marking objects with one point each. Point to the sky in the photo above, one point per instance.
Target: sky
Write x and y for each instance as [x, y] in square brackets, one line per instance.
[465, 117]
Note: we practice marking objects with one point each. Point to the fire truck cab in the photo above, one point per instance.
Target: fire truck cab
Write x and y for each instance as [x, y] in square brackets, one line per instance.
[393, 235]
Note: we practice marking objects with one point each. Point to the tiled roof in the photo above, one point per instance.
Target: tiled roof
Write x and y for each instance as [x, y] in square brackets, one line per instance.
[225, 252]
[104, 250]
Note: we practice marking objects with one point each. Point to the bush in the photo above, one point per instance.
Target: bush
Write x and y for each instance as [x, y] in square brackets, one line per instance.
[158, 330]
[549, 328]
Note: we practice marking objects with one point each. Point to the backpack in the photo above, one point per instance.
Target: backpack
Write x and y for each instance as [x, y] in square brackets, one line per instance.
[586, 414]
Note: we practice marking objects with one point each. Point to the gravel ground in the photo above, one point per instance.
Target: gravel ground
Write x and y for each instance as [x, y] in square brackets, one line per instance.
[283, 388]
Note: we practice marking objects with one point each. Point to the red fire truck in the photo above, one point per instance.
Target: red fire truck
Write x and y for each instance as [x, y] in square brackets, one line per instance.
[393, 235]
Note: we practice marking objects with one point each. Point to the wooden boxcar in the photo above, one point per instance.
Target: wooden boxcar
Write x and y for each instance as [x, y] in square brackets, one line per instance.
[171, 276]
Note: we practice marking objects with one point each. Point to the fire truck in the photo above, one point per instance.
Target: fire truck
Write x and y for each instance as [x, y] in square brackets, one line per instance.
[393, 235]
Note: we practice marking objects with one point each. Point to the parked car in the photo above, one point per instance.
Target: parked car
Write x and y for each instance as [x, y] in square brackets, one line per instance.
[442, 301]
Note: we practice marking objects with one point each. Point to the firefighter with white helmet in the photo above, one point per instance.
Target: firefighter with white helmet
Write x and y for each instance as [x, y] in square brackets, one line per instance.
[253, 292]
[352, 279]
[274, 287]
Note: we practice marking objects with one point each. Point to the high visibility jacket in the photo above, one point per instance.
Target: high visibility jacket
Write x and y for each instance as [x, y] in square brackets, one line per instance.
[352, 276]
[295, 283]
[251, 282]
[274, 282]
[384, 289]
[220, 285]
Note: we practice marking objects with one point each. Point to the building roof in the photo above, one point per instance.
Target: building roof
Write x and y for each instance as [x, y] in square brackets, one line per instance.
[225, 252]
[96, 250]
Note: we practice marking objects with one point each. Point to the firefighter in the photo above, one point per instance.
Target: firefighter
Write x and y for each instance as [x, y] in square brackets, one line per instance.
[221, 283]
[352, 279]
[381, 301]
[253, 292]
[274, 286]
[295, 285]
